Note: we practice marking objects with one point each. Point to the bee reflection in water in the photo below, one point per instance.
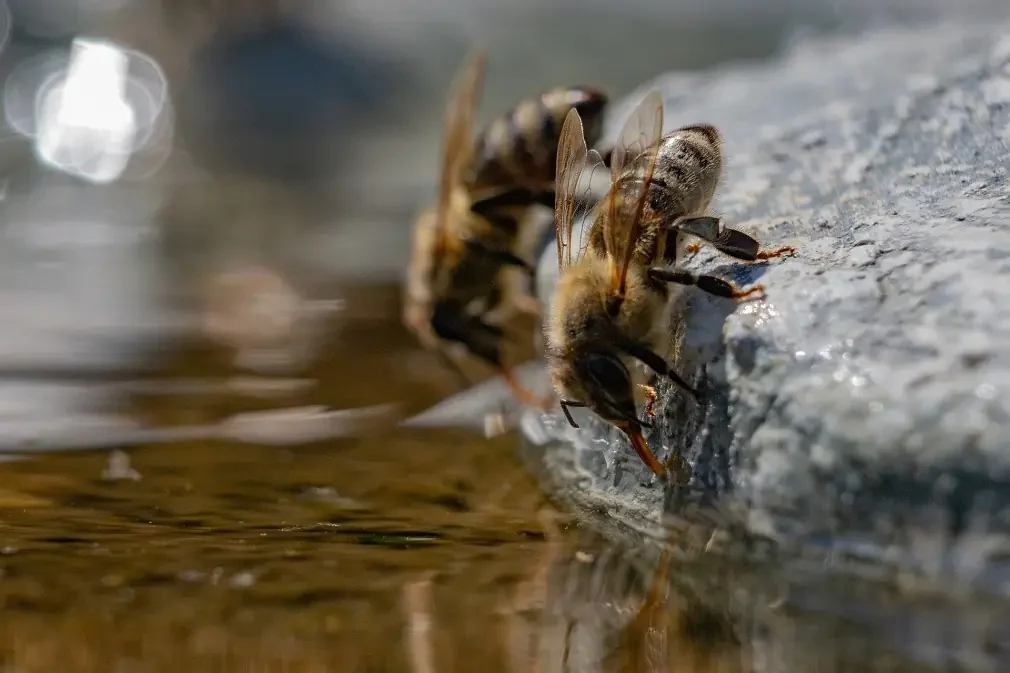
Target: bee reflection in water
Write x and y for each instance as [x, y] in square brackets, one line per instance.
[579, 613]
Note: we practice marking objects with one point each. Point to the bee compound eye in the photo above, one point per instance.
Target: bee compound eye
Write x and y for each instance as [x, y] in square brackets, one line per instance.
[606, 371]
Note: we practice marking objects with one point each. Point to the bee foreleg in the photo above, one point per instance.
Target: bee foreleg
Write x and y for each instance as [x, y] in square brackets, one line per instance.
[650, 399]
[655, 362]
[500, 256]
[710, 284]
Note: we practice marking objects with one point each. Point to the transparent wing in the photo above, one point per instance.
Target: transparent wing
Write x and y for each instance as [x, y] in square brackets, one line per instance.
[457, 133]
[573, 200]
[631, 166]
[571, 159]
[588, 206]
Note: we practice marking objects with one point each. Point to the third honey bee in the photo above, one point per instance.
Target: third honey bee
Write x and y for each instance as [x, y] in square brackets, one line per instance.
[471, 261]
[611, 304]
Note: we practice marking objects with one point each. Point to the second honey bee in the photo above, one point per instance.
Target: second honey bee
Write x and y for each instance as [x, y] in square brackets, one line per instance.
[471, 261]
[611, 304]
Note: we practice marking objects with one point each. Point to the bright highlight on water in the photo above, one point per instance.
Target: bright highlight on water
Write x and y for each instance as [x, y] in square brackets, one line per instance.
[93, 110]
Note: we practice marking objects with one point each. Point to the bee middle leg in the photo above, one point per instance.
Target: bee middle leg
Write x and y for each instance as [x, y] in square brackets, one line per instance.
[692, 248]
[710, 284]
[650, 400]
[655, 362]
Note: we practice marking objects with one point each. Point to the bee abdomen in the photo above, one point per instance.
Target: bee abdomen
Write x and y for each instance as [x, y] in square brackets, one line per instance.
[520, 148]
[687, 170]
[707, 132]
[692, 148]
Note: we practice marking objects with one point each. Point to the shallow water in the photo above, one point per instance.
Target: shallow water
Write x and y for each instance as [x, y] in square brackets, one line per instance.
[197, 547]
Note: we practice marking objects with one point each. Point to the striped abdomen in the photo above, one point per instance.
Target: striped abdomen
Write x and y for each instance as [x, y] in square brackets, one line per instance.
[520, 148]
[687, 171]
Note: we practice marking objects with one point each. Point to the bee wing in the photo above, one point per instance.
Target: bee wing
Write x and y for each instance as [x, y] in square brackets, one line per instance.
[587, 206]
[572, 198]
[457, 133]
[571, 158]
[631, 166]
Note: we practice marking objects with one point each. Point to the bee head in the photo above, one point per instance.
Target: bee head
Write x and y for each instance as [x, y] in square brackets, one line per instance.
[608, 383]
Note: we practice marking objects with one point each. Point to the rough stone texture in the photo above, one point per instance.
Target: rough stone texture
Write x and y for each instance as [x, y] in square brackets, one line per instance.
[864, 405]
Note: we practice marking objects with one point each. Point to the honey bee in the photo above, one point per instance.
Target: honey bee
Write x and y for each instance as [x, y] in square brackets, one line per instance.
[470, 268]
[611, 304]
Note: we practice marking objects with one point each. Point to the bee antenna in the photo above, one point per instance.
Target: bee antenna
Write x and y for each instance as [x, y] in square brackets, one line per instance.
[565, 407]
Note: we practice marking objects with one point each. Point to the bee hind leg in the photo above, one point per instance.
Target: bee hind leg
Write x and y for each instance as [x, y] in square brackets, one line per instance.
[710, 284]
[728, 241]
[786, 250]
[732, 242]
